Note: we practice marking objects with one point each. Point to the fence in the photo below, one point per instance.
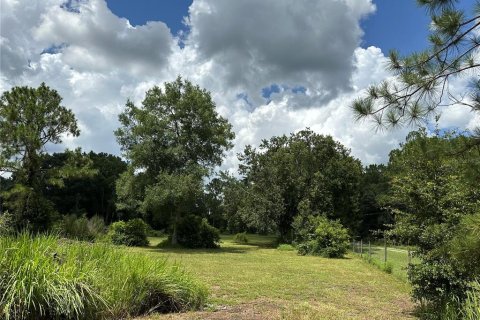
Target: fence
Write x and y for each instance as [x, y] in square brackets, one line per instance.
[388, 257]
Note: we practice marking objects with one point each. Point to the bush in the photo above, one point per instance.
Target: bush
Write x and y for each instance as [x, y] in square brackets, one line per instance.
[320, 236]
[456, 308]
[285, 247]
[195, 232]
[241, 238]
[437, 281]
[46, 278]
[130, 233]
[81, 228]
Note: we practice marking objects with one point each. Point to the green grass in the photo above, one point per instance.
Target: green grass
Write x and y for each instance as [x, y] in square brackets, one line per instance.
[43, 277]
[397, 259]
[277, 284]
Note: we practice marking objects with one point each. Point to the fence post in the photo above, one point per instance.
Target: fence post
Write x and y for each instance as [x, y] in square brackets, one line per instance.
[361, 248]
[353, 246]
[385, 247]
[409, 256]
[369, 250]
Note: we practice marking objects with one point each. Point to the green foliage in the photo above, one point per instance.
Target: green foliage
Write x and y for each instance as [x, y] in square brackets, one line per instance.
[287, 172]
[81, 228]
[173, 140]
[432, 191]
[374, 186]
[466, 308]
[464, 247]
[31, 118]
[285, 247]
[240, 238]
[90, 194]
[6, 224]
[318, 235]
[195, 232]
[173, 196]
[386, 267]
[44, 278]
[130, 233]
[421, 83]
[470, 309]
[29, 209]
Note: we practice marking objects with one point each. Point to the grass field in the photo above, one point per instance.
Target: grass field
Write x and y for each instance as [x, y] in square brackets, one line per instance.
[397, 258]
[257, 281]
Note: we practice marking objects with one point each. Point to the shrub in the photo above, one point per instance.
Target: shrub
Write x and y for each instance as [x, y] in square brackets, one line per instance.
[437, 281]
[456, 308]
[195, 232]
[45, 278]
[130, 233]
[387, 267]
[323, 237]
[80, 228]
[241, 238]
[285, 247]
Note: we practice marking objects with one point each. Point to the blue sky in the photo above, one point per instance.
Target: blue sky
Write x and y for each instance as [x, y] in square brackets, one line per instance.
[397, 24]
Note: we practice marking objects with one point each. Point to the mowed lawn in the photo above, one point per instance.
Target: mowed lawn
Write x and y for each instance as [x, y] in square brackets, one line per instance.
[258, 281]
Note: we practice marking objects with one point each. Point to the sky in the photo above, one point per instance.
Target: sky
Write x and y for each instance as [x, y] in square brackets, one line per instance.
[272, 66]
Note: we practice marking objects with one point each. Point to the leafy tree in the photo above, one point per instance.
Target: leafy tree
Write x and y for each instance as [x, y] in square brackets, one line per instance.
[430, 194]
[176, 194]
[304, 167]
[173, 140]
[374, 186]
[229, 196]
[90, 195]
[421, 83]
[30, 118]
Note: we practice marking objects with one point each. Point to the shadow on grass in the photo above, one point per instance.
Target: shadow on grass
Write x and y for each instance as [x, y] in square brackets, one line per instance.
[184, 251]
[228, 247]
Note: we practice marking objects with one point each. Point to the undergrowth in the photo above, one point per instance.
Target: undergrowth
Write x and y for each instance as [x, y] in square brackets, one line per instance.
[43, 277]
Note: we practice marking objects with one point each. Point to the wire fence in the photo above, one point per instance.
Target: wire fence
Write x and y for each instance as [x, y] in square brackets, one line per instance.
[387, 256]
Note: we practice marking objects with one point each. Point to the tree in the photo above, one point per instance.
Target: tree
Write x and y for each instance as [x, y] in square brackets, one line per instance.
[303, 168]
[431, 192]
[175, 133]
[90, 195]
[31, 118]
[374, 186]
[421, 83]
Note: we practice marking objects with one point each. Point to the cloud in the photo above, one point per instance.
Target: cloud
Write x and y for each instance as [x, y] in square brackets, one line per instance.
[94, 39]
[255, 44]
[235, 49]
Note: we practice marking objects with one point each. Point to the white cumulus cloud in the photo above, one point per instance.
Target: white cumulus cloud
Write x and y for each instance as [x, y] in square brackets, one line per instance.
[234, 49]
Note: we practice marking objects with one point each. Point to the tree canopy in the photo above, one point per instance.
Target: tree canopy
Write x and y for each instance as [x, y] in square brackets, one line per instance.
[174, 140]
[305, 170]
[30, 118]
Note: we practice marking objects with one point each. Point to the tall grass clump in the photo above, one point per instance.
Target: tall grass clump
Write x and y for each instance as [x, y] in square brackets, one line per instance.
[42, 277]
[285, 247]
[81, 228]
